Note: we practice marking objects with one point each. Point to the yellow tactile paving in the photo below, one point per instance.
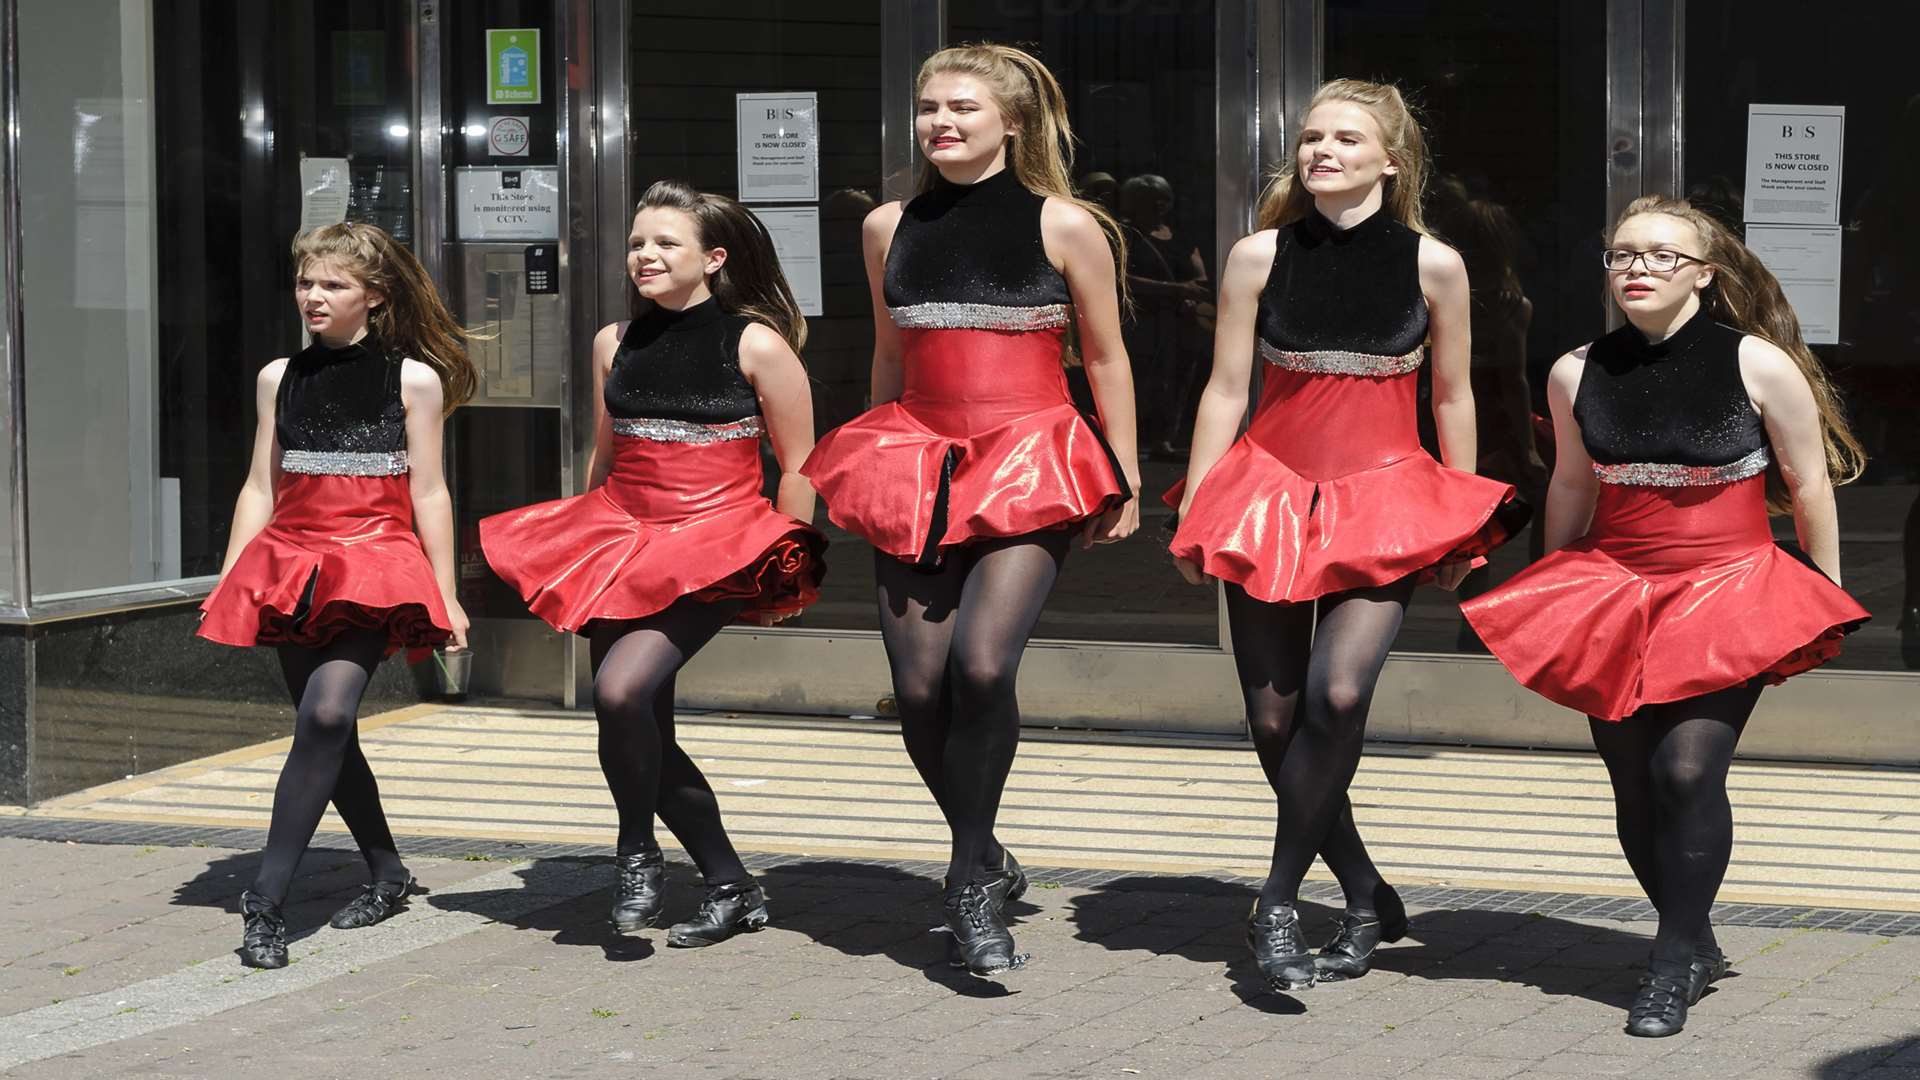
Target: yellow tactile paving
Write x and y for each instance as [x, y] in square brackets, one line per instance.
[1839, 836]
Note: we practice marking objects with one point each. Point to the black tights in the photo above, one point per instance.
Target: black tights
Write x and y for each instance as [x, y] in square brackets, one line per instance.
[1307, 689]
[326, 762]
[634, 664]
[954, 640]
[1669, 768]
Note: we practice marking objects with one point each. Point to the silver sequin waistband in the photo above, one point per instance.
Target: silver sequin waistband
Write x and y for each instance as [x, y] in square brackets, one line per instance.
[685, 431]
[1339, 362]
[342, 463]
[1651, 474]
[942, 316]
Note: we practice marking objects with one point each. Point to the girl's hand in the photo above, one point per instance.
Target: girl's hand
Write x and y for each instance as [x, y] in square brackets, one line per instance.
[457, 619]
[1191, 571]
[769, 618]
[1116, 524]
[1448, 575]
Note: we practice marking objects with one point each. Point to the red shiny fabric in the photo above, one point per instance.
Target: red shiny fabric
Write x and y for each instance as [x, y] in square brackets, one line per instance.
[1026, 459]
[1674, 592]
[1329, 490]
[348, 538]
[673, 520]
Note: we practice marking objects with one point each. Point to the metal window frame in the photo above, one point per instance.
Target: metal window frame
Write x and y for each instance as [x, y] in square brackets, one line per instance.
[13, 365]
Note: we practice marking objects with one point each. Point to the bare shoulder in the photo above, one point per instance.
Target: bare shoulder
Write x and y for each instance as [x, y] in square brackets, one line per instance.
[270, 376]
[1069, 220]
[761, 347]
[1255, 248]
[1567, 370]
[880, 220]
[420, 384]
[1439, 261]
[610, 334]
[1762, 359]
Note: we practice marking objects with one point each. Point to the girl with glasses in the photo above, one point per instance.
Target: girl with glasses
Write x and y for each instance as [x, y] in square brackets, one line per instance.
[1665, 604]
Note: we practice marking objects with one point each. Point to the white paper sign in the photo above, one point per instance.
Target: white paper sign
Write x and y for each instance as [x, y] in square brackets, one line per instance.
[1807, 262]
[779, 147]
[796, 239]
[496, 203]
[1793, 163]
[325, 187]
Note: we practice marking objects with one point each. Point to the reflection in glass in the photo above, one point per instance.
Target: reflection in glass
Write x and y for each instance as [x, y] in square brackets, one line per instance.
[1730, 58]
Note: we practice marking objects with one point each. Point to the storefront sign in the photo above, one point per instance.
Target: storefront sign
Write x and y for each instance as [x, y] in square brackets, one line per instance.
[796, 239]
[513, 67]
[324, 189]
[1793, 164]
[359, 67]
[1807, 262]
[507, 204]
[779, 147]
[508, 136]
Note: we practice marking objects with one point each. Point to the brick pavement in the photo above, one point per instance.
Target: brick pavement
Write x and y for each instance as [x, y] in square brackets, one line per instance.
[507, 970]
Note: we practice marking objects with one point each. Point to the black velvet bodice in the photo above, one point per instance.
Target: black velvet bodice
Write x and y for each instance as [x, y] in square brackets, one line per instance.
[1353, 290]
[681, 365]
[973, 244]
[341, 401]
[1680, 401]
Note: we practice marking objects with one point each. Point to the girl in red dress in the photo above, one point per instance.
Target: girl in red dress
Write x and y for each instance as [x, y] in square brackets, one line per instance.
[1328, 506]
[341, 549]
[973, 471]
[1665, 605]
[673, 538]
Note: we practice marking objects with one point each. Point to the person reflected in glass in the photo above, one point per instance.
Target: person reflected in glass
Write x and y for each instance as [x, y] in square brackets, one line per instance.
[1322, 518]
[1665, 606]
[673, 538]
[973, 472]
[341, 550]
[1169, 329]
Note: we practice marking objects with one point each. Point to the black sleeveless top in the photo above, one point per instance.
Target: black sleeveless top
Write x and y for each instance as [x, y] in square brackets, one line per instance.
[973, 245]
[1352, 291]
[681, 365]
[341, 401]
[1676, 402]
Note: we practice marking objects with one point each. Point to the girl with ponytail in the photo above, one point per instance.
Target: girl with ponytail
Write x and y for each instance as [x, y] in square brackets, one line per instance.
[341, 549]
[1665, 606]
[673, 538]
[1321, 519]
[973, 471]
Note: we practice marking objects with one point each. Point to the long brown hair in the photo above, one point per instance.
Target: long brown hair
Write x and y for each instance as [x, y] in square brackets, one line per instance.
[1286, 200]
[1745, 295]
[413, 322]
[750, 282]
[1031, 102]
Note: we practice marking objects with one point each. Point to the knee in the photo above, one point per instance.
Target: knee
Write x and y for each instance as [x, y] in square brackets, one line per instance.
[980, 677]
[1342, 703]
[628, 697]
[916, 695]
[325, 724]
[1269, 721]
[1679, 784]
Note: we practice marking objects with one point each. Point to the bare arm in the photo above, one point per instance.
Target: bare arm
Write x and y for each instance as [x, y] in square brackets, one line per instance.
[1223, 403]
[786, 401]
[254, 508]
[1573, 489]
[1787, 407]
[1077, 245]
[421, 392]
[876, 236]
[605, 343]
[1443, 278]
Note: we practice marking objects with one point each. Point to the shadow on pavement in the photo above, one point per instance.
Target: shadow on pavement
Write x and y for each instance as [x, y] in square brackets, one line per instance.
[582, 919]
[1900, 1057]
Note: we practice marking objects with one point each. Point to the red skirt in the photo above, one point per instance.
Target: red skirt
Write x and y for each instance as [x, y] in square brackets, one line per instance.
[983, 442]
[673, 520]
[339, 553]
[1674, 592]
[1329, 490]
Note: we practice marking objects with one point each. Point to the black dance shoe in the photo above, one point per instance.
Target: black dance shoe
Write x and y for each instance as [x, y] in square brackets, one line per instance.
[638, 904]
[1660, 1008]
[980, 935]
[379, 901]
[1350, 954]
[263, 944]
[727, 910]
[1709, 966]
[1009, 883]
[1278, 949]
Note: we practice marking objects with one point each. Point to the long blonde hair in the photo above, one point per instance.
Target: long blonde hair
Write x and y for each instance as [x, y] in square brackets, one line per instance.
[1030, 101]
[413, 322]
[1286, 200]
[1745, 295]
[750, 282]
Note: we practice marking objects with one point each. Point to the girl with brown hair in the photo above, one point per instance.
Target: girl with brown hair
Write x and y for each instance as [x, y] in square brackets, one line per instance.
[1665, 605]
[973, 472]
[341, 549]
[1324, 515]
[673, 538]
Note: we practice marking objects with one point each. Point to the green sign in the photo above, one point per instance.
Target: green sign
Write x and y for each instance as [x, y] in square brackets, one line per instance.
[513, 67]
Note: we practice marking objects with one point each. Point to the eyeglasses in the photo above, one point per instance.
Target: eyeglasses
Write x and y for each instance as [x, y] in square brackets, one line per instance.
[1659, 261]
